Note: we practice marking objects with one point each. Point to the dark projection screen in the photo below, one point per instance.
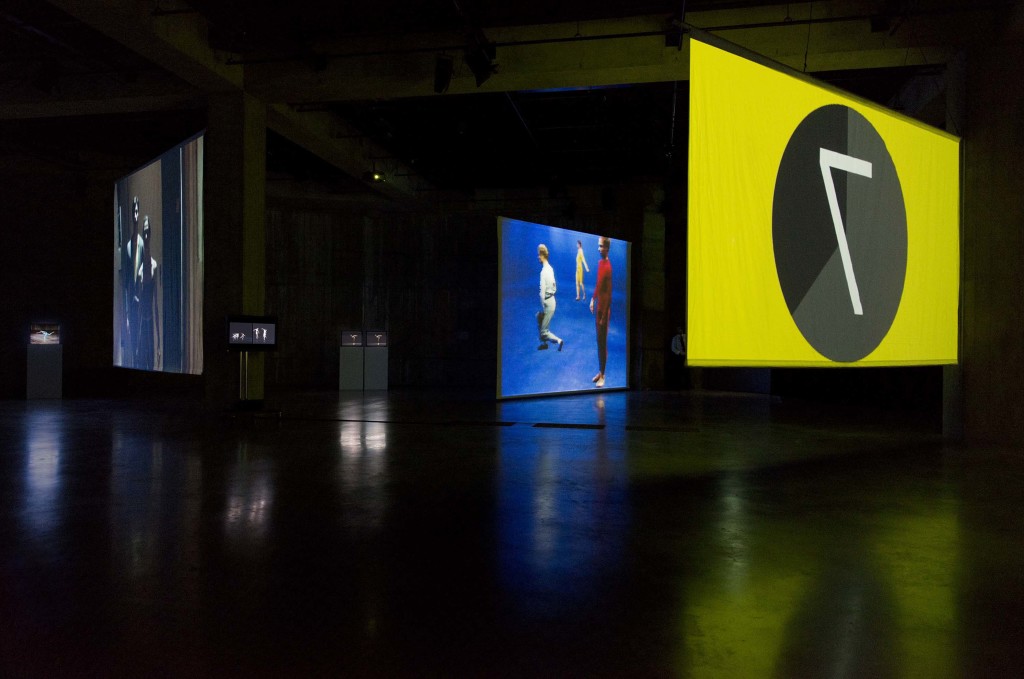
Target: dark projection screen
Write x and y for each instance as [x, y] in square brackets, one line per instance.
[585, 347]
[158, 263]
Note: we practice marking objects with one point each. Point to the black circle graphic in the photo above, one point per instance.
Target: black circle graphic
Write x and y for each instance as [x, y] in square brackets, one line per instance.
[837, 189]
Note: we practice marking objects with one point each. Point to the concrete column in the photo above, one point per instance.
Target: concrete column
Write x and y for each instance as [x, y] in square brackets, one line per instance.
[653, 345]
[993, 246]
[234, 238]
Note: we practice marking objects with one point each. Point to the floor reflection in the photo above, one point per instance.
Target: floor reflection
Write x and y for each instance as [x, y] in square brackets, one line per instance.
[563, 515]
[633, 534]
[808, 579]
[250, 498]
[362, 475]
[43, 439]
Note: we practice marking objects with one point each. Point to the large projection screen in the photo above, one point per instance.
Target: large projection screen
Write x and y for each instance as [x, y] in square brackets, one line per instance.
[576, 266]
[823, 230]
[158, 263]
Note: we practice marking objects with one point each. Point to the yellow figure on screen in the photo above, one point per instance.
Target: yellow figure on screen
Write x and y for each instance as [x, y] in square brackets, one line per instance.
[581, 264]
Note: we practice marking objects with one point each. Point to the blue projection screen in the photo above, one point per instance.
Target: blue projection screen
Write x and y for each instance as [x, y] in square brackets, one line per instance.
[158, 263]
[568, 357]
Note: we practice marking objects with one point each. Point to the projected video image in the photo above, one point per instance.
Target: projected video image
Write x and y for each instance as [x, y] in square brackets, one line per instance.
[44, 333]
[252, 333]
[564, 317]
[158, 263]
[823, 230]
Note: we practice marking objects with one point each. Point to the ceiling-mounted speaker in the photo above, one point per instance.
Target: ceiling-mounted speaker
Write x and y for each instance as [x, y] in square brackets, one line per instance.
[444, 66]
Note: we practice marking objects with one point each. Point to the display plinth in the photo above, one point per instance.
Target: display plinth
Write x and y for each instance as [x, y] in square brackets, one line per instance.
[350, 368]
[375, 369]
[45, 372]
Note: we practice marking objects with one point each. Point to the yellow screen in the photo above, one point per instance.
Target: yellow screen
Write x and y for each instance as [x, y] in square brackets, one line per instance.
[823, 231]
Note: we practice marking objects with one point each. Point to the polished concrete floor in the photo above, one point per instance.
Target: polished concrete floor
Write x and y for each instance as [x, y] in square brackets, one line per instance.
[621, 534]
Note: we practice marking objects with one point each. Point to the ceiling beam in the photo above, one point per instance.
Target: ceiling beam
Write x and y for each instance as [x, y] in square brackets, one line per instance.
[100, 94]
[64, 107]
[812, 37]
[175, 42]
[344, 147]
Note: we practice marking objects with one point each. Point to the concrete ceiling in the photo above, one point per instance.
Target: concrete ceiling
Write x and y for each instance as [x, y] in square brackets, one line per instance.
[538, 92]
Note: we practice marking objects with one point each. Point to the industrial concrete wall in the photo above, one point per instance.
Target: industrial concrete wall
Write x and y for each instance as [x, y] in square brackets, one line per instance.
[426, 274]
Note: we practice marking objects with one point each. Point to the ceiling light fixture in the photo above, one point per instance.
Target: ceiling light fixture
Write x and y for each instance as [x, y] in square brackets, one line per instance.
[444, 66]
[480, 59]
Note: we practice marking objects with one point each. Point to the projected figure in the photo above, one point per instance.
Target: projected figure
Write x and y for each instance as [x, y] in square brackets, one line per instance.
[131, 296]
[603, 297]
[547, 300]
[581, 264]
[145, 300]
[129, 287]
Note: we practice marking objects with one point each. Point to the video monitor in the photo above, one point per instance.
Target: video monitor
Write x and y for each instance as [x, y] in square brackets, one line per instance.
[44, 333]
[823, 230]
[376, 338]
[158, 263]
[563, 324]
[351, 338]
[252, 333]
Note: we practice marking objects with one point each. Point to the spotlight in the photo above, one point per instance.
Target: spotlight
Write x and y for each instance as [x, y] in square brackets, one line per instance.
[374, 177]
[880, 23]
[480, 60]
[443, 67]
[47, 77]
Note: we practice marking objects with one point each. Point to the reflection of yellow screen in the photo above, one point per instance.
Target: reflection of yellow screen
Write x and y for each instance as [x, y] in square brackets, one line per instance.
[742, 115]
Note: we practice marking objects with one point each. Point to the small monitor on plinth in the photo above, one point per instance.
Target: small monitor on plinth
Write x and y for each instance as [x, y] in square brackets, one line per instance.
[45, 361]
[44, 333]
[252, 333]
[376, 338]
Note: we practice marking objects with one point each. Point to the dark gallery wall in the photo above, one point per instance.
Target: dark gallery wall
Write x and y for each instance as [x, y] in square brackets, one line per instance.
[57, 266]
[426, 273]
[429, 281]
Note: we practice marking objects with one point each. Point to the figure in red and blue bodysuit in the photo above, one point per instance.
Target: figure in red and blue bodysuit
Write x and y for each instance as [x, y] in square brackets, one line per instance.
[602, 308]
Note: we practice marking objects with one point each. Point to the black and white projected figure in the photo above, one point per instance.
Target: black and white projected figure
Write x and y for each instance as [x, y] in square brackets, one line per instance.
[125, 238]
[839, 231]
[144, 299]
[140, 316]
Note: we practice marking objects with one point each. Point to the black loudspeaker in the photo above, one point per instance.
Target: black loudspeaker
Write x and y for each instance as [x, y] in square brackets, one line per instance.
[443, 67]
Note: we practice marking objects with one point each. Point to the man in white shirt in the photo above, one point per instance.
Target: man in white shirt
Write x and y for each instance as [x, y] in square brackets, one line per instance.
[547, 300]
